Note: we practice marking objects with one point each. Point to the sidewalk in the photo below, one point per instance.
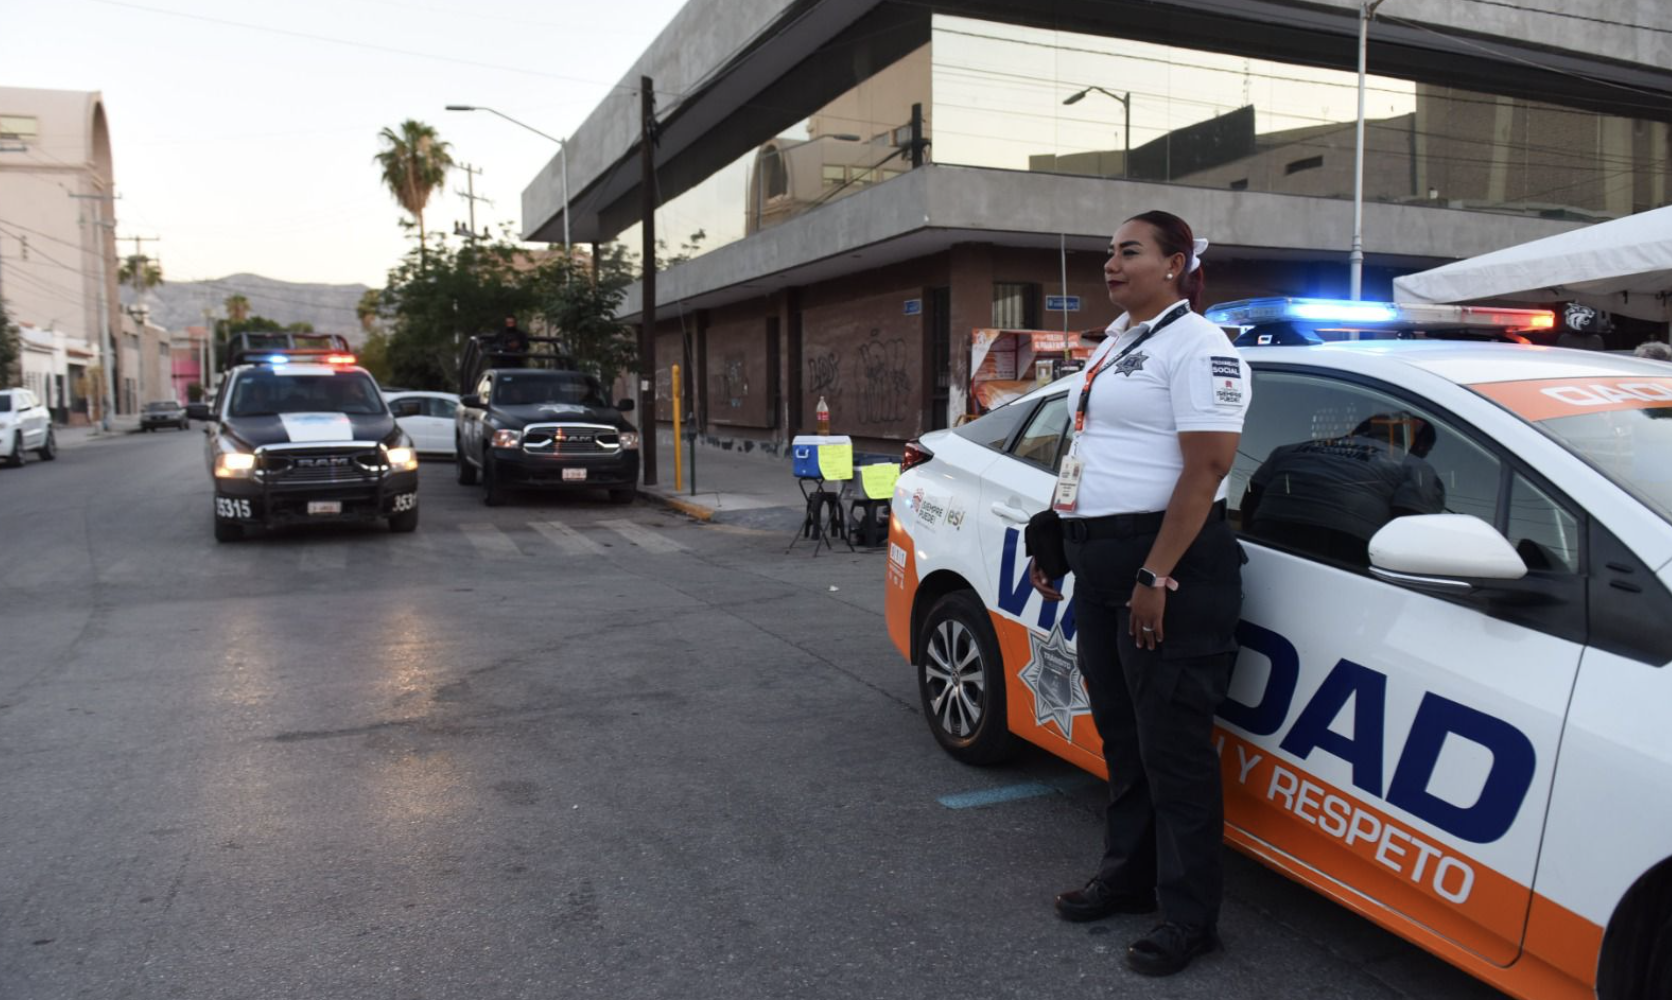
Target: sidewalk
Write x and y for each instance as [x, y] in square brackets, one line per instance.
[754, 490]
[74, 437]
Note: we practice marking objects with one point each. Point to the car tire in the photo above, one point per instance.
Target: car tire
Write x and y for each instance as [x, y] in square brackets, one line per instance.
[185, 425]
[467, 472]
[18, 456]
[49, 448]
[960, 681]
[622, 496]
[228, 531]
[405, 521]
[493, 494]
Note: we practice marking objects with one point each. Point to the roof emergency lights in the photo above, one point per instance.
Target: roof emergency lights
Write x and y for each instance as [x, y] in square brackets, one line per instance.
[1253, 312]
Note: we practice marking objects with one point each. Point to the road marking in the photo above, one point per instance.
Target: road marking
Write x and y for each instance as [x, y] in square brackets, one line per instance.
[489, 540]
[570, 541]
[643, 537]
[993, 796]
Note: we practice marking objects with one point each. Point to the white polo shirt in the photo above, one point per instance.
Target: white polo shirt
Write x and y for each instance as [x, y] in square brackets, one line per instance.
[1187, 377]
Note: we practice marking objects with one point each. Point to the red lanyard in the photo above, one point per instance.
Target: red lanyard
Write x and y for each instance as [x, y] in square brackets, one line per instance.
[1092, 373]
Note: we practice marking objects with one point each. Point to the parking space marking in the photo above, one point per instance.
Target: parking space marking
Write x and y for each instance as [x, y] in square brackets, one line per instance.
[567, 539]
[489, 540]
[993, 796]
[643, 537]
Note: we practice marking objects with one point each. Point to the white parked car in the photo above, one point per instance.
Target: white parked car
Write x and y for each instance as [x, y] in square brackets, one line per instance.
[25, 426]
[1452, 706]
[427, 417]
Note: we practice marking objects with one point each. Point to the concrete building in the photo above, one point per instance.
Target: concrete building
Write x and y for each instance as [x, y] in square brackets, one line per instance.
[58, 267]
[874, 180]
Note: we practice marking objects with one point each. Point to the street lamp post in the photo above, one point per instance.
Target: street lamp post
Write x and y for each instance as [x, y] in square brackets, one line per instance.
[562, 158]
[1126, 109]
[1356, 259]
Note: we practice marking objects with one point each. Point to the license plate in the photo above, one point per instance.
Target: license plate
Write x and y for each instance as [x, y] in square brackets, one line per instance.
[325, 506]
[574, 474]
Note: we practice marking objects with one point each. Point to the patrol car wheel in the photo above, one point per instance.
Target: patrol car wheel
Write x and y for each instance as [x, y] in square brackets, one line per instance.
[406, 520]
[621, 496]
[467, 472]
[228, 531]
[960, 679]
[49, 448]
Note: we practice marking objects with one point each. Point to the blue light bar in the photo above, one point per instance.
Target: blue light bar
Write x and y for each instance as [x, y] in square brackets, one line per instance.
[278, 359]
[1250, 312]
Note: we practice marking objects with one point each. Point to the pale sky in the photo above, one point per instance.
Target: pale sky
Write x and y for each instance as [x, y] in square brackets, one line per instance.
[243, 131]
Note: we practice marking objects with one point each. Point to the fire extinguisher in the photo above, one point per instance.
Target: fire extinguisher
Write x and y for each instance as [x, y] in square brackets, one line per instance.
[822, 413]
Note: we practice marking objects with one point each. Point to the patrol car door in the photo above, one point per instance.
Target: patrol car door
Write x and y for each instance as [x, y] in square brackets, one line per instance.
[1046, 699]
[1384, 738]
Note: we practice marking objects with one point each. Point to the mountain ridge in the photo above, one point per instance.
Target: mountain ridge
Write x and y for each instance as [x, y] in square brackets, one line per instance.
[176, 305]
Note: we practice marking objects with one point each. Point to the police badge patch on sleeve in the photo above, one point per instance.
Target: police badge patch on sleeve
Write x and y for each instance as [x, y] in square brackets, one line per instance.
[1226, 376]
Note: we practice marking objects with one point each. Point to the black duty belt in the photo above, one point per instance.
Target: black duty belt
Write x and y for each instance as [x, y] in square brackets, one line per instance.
[1091, 529]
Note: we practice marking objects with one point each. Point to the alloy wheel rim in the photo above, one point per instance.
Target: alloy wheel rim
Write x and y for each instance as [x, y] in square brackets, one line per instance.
[957, 684]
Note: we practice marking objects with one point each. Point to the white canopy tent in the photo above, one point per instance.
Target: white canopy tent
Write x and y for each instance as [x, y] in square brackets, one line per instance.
[1623, 266]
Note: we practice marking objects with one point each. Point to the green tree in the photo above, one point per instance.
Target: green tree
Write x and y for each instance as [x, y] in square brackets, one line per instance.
[237, 308]
[368, 308]
[582, 311]
[433, 301]
[11, 351]
[414, 163]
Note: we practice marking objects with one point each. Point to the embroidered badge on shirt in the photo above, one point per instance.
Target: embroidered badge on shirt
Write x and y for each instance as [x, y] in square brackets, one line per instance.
[1133, 362]
[1225, 376]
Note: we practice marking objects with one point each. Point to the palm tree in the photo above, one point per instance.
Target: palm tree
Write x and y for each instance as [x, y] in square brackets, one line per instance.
[237, 308]
[415, 163]
[141, 272]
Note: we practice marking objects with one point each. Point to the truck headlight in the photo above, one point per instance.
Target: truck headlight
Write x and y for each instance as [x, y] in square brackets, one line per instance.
[234, 465]
[629, 440]
[507, 439]
[402, 459]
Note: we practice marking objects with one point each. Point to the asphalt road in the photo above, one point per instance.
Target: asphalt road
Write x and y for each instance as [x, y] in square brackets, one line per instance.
[556, 749]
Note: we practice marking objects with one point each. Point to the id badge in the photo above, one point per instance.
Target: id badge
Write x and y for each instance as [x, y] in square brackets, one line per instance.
[1067, 495]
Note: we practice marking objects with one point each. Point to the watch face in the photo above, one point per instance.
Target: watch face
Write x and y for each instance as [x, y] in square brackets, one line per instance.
[1146, 577]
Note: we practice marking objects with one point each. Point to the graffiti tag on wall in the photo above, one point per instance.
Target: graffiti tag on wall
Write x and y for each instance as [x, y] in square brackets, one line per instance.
[884, 380]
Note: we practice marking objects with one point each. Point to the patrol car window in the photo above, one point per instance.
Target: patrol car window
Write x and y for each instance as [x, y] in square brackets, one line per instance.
[993, 429]
[1543, 532]
[266, 393]
[1041, 440]
[1323, 464]
[1632, 447]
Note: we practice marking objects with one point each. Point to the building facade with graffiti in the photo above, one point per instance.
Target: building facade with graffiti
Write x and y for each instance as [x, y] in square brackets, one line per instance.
[867, 182]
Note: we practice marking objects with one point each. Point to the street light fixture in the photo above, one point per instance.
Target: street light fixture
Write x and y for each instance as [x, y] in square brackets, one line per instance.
[1126, 106]
[562, 156]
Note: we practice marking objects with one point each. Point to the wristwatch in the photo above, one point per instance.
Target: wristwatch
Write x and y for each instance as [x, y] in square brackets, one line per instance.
[1147, 578]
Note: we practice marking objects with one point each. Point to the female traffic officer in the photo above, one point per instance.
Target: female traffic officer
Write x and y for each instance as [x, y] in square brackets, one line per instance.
[1158, 575]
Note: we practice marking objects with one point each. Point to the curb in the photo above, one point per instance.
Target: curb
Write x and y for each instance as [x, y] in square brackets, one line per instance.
[686, 507]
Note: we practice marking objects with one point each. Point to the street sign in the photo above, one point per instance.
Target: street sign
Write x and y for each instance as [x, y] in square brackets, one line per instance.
[1062, 303]
[914, 307]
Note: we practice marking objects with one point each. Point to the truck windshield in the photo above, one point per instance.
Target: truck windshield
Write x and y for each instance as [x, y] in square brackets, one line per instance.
[264, 393]
[536, 387]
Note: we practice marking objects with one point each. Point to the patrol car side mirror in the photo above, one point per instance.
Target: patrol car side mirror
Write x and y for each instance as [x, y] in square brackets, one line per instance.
[1443, 553]
[624, 405]
[197, 411]
[471, 400]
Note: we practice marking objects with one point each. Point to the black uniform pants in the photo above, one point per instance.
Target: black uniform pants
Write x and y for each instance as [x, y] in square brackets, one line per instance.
[1155, 710]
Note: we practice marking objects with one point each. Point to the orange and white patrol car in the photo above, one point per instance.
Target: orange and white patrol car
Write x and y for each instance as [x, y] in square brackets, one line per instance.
[1456, 721]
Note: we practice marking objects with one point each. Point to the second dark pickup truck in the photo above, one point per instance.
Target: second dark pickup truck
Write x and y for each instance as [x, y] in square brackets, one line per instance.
[525, 428]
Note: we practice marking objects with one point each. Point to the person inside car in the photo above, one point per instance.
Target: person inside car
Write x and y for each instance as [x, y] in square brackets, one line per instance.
[1158, 414]
[1329, 497]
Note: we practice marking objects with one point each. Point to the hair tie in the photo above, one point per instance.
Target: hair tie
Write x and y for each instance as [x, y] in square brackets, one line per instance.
[1197, 248]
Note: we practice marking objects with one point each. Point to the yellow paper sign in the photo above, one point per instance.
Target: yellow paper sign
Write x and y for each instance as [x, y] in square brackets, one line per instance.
[836, 461]
[878, 480]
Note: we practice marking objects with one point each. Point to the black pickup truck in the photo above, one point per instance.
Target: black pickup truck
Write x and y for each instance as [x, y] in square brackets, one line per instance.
[545, 429]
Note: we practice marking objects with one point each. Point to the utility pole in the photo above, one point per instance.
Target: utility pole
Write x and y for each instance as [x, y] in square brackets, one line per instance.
[106, 348]
[1355, 265]
[469, 195]
[647, 326]
[141, 312]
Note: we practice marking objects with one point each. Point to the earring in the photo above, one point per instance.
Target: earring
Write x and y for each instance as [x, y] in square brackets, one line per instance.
[1169, 276]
